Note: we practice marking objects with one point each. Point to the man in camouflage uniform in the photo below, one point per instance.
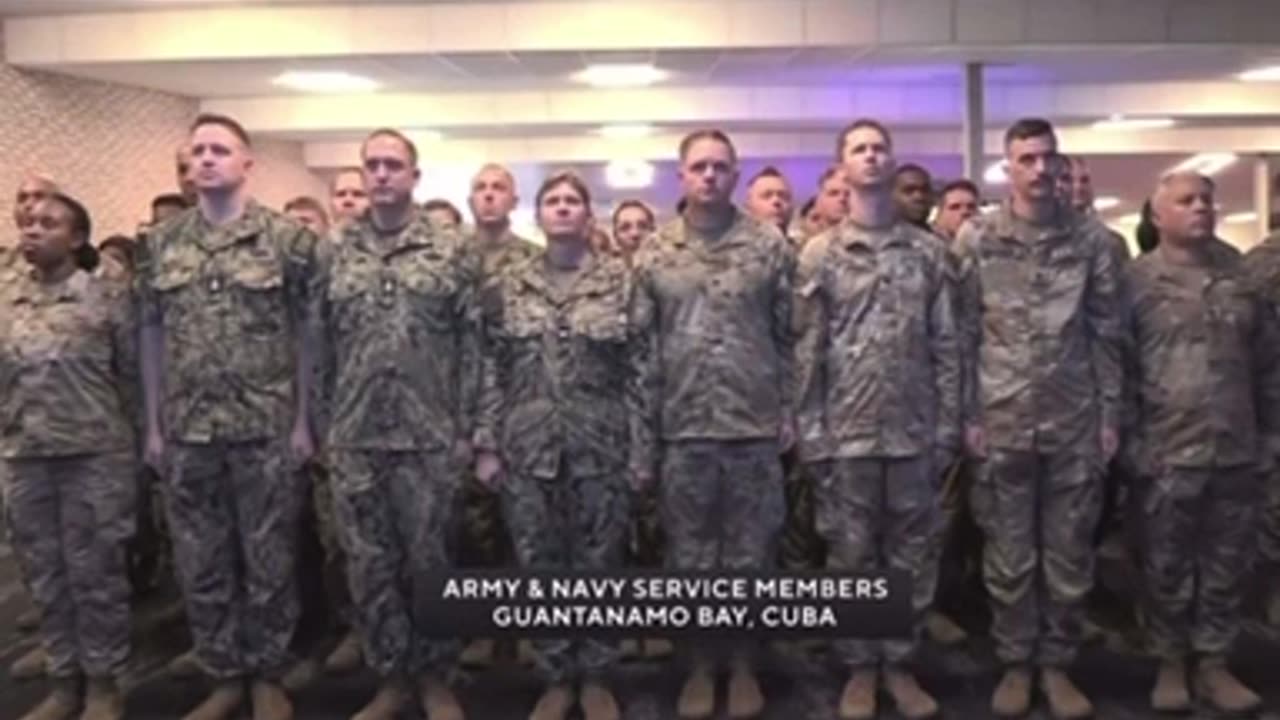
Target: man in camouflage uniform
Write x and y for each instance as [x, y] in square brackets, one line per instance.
[223, 292]
[555, 359]
[347, 197]
[1040, 311]
[401, 370]
[713, 290]
[878, 387]
[1263, 265]
[1207, 396]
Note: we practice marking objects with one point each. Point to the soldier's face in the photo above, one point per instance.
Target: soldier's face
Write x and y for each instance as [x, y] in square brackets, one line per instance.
[219, 160]
[31, 192]
[492, 197]
[184, 172]
[1183, 210]
[347, 198]
[630, 226]
[1081, 186]
[441, 217]
[389, 173]
[708, 173]
[310, 219]
[47, 239]
[957, 206]
[913, 196]
[868, 161]
[1034, 167]
[769, 200]
[832, 203]
[562, 213]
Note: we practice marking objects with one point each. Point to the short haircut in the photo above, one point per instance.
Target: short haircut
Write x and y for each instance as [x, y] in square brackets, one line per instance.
[830, 172]
[912, 168]
[511, 179]
[858, 125]
[1169, 178]
[1026, 128]
[395, 135]
[126, 245]
[348, 170]
[305, 202]
[961, 184]
[442, 204]
[564, 177]
[768, 171]
[707, 134]
[86, 255]
[223, 121]
[633, 204]
[169, 199]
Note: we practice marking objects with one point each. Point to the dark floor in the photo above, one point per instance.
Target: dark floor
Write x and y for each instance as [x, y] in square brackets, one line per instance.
[799, 686]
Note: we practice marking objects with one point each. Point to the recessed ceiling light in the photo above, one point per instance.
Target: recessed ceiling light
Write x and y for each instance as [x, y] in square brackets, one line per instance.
[629, 174]
[997, 173]
[626, 132]
[1106, 202]
[1241, 218]
[1207, 164]
[325, 81]
[614, 75]
[1270, 73]
[1122, 123]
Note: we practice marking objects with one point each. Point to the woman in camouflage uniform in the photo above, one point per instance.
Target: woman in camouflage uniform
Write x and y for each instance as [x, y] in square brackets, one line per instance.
[67, 402]
[555, 356]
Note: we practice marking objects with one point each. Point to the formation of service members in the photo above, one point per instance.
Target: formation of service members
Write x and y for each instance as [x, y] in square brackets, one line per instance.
[379, 370]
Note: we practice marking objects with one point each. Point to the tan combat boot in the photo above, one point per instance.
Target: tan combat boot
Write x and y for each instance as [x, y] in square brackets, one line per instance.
[1012, 697]
[1170, 695]
[103, 701]
[943, 630]
[744, 697]
[554, 703]
[438, 701]
[657, 648]
[222, 703]
[392, 696]
[698, 696]
[302, 674]
[346, 657]
[186, 665]
[1215, 683]
[62, 703]
[912, 701]
[477, 653]
[30, 666]
[270, 702]
[598, 703]
[28, 621]
[858, 699]
[630, 649]
[1066, 702]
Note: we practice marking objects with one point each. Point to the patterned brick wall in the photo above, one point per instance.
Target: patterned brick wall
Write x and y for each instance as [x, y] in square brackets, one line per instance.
[112, 146]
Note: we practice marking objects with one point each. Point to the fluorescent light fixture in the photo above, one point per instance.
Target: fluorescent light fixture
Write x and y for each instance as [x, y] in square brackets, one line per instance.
[1270, 73]
[1120, 123]
[1207, 164]
[1106, 202]
[424, 136]
[626, 132]
[1130, 219]
[997, 173]
[615, 75]
[325, 81]
[1241, 218]
[629, 174]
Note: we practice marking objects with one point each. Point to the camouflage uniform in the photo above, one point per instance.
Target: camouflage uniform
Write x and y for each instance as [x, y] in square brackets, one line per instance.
[1263, 265]
[1039, 309]
[1206, 396]
[231, 302]
[68, 370]
[878, 385]
[401, 371]
[714, 360]
[555, 361]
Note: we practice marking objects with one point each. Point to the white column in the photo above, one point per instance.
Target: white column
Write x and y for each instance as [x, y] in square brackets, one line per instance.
[974, 121]
[1262, 190]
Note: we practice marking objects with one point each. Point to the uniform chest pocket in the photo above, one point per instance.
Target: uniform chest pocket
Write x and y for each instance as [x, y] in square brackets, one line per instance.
[259, 288]
[172, 285]
[1233, 310]
[520, 325]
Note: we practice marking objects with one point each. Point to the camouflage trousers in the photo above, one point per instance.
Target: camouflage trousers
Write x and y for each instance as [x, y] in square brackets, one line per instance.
[334, 569]
[482, 538]
[70, 519]
[576, 520]
[1038, 513]
[647, 544]
[1269, 545]
[394, 512]
[1199, 529]
[234, 510]
[801, 547]
[880, 514]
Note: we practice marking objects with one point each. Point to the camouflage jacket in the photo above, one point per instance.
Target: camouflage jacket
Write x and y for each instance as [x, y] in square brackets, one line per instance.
[399, 358]
[715, 313]
[68, 367]
[1207, 389]
[877, 350]
[230, 300]
[509, 251]
[1042, 323]
[557, 373]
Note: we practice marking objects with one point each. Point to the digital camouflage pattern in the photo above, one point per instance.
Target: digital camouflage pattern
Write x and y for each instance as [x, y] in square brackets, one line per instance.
[1205, 395]
[1262, 263]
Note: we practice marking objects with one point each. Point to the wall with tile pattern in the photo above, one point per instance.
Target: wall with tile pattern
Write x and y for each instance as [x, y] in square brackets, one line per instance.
[112, 147]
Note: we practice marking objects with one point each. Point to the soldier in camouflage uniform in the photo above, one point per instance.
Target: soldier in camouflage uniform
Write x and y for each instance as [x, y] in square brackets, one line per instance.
[224, 290]
[401, 369]
[878, 387]
[1263, 264]
[347, 197]
[555, 355]
[1042, 326]
[713, 308]
[1207, 397]
[68, 370]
